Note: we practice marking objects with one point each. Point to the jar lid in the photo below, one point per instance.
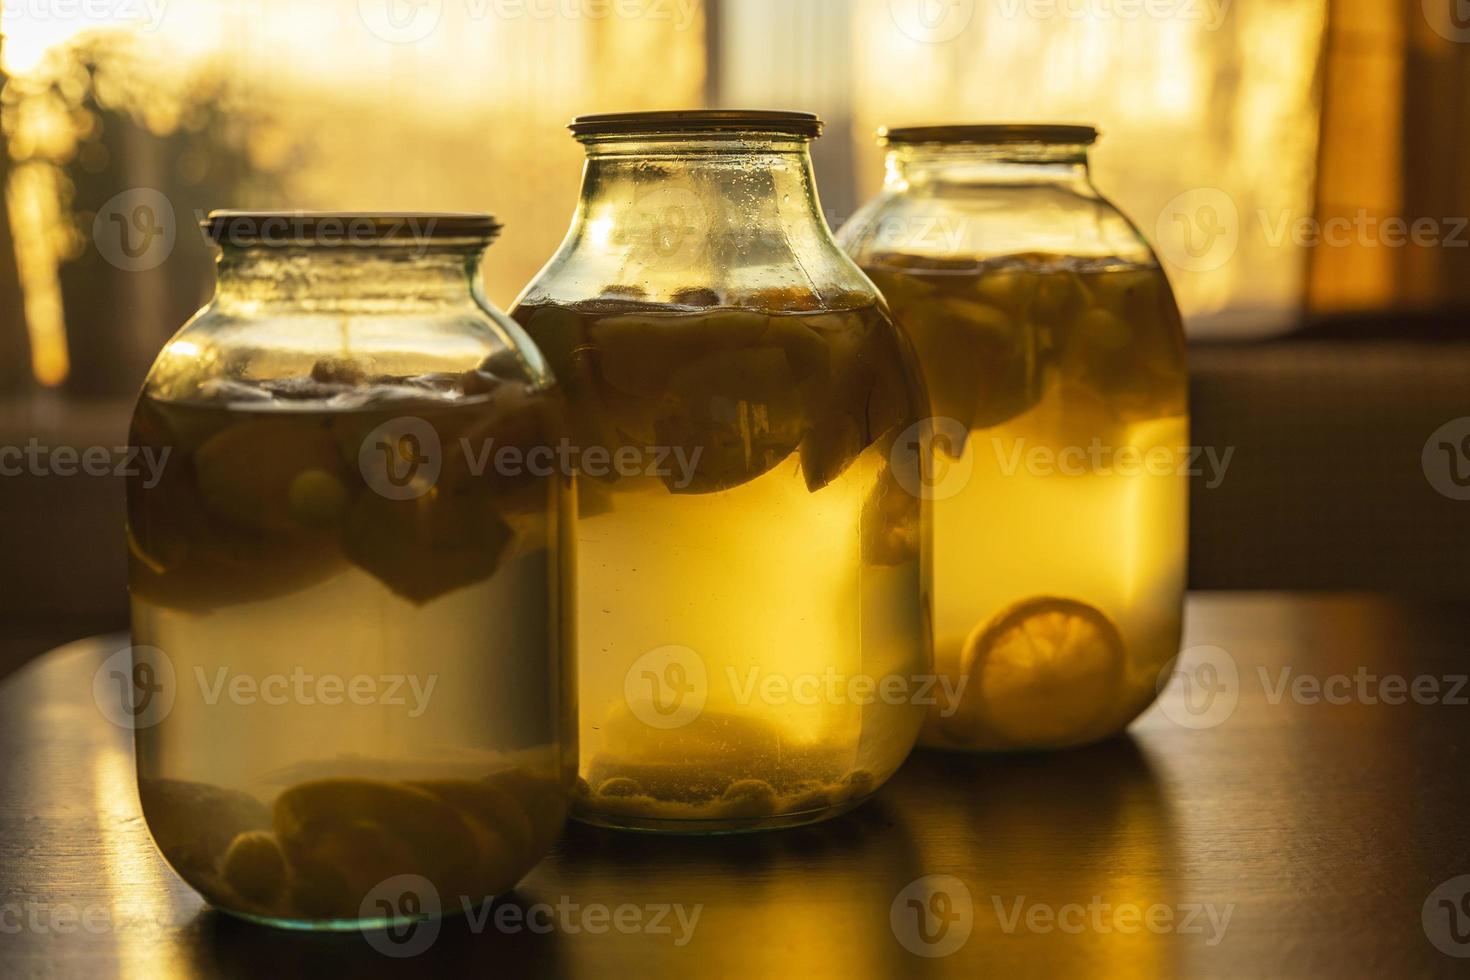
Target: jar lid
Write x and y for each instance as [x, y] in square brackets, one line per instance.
[991, 133]
[284, 229]
[690, 121]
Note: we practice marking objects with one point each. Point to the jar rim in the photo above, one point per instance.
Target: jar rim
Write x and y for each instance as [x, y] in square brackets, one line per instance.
[299, 229]
[1056, 134]
[683, 122]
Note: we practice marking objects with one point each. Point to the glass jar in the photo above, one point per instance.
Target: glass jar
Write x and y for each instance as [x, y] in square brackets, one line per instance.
[751, 558]
[1054, 357]
[350, 633]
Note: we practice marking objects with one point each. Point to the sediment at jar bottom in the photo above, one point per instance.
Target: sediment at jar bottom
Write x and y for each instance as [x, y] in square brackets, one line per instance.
[269, 487]
[323, 847]
[719, 767]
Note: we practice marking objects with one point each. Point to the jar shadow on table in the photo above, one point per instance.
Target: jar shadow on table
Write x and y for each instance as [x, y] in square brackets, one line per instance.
[457, 944]
[813, 898]
[1059, 852]
[810, 900]
[1082, 835]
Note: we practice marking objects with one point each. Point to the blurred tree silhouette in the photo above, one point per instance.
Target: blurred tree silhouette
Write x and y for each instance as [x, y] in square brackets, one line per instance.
[14, 349]
[108, 113]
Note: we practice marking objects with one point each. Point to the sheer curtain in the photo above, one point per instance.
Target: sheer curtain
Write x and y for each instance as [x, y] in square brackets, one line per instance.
[1208, 109]
[1395, 135]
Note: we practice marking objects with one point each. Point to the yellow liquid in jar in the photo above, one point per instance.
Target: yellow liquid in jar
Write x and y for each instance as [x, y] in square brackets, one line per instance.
[360, 687]
[730, 614]
[1060, 515]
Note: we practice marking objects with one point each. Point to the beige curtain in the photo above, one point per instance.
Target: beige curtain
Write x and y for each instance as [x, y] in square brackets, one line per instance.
[1395, 138]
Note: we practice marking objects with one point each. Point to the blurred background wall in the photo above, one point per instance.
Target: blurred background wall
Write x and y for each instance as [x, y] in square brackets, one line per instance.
[1233, 131]
[1226, 124]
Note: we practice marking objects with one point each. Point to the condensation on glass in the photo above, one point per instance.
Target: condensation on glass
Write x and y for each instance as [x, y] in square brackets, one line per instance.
[1054, 359]
[351, 622]
[751, 547]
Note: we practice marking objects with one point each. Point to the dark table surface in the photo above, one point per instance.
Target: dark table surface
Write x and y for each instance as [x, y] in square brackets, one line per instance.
[1315, 829]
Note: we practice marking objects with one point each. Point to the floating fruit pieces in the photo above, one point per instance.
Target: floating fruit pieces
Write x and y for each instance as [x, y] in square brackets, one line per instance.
[245, 473]
[736, 389]
[428, 545]
[1129, 346]
[345, 836]
[188, 555]
[194, 823]
[979, 358]
[993, 335]
[264, 493]
[738, 409]
[255, 867]
[327, 844]
[561, 335]
[520, 813]
[1043, 673]
[892, 523]
[719, 766]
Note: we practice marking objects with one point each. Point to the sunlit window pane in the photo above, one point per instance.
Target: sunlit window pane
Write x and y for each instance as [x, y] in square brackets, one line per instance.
[1209, 99]
[329, 104]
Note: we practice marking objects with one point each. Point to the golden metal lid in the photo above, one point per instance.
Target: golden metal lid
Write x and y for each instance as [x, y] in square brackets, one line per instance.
[1057, 134]
[691, 121]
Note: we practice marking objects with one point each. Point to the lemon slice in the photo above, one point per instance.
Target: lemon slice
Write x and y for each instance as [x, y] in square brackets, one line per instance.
[1045, 671]
[343, 837]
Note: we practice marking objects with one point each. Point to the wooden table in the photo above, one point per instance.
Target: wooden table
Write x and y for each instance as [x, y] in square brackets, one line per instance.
[1325, 831]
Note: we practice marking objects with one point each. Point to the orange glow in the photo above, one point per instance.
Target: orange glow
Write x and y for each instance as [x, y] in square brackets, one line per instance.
[31, 197]
[1209, 96]
[322, 107]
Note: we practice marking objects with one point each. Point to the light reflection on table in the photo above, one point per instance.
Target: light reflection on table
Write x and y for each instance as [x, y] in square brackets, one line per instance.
[1320, 828]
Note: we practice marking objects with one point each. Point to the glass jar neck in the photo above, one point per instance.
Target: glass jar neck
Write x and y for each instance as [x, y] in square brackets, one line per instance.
[728, 186]
[701, 150]
[918, 164]
[376, 277]
[698, 220]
